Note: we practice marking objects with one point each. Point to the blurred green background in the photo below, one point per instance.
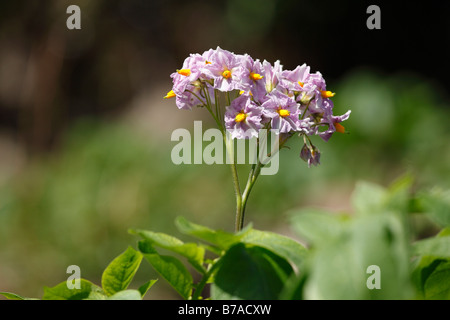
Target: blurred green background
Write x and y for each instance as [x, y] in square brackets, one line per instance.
[85, 134]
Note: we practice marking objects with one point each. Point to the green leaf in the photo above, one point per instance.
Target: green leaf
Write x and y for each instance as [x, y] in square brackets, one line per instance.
[250, 272]
[398, 198]
[87, 290]
[436, 247]
[14, 296]
[285, 247]
[436, 204]
[170, 268]
[382, 240]
[338, 267]
[368, 198]
[120, 272]
[444, 232]
[126, 295]
[294, 287]
[316, 226]
[146, 286]
[334, 273]
[422, 269]
[193, 252]
[437, 285]
[219, 238]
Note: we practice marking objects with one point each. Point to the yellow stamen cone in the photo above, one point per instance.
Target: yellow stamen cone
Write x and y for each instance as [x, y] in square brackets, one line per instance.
[339, 127]
[184, 72]
[240, 117]
[226, 74]
[283, 113]
[255, 76]
[170, 94]
[327, 94]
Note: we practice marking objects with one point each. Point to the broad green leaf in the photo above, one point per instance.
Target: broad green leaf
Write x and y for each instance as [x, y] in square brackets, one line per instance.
[219, 238]
[339, 267]
[193, 252]
[333, 274]
[316, 226]
[436, 247]
[87, 290]
[422, 269]
[437, 285]
[294, 287]
[126, 295]
[97, 295]
[120, 272]
[444, 232]
[14, 296]
[285, 247]
[398, 197]
[170, 268]
[250, 272]
[146, 286]
[436, 205]
[368, 198]
[381, 240]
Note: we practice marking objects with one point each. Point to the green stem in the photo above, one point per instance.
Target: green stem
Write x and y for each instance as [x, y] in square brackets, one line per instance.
[217, 102]
[254, 174]
[208, 106]
[237, 189]
[197, 96]
[201, 285]
[306, 109]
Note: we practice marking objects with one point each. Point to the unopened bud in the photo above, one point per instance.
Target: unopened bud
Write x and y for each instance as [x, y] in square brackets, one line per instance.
[310, 154]
[305, 98]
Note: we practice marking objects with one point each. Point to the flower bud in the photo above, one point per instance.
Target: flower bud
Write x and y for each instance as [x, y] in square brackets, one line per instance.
[305, 98]
[310, 154]
[305, 154]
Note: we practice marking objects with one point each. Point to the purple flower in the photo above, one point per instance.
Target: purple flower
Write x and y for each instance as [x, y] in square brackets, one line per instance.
[243, 117]
[314, 89]
[207, 56]
[282, 111]
[338, 119]
[189, 98]
[252, 77]
[190, 72]
[296, 79]
[271, 75]
[288, 101]
[225, 69]
[193, 96]
[333, 123]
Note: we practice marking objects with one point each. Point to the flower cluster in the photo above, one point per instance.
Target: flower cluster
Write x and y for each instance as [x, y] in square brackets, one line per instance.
[259, 96]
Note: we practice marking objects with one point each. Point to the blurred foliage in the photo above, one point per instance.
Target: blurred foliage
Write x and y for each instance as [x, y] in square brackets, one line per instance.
[371, 254]
[76, 205]
[375, 248]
